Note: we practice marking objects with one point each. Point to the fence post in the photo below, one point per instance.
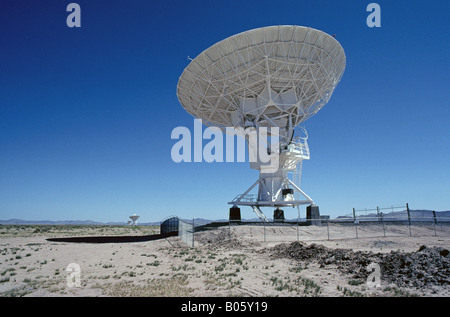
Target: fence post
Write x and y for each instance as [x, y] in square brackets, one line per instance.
[298, 221]
[264, 222]
[434, 222]
[409, 219]
[354, 223]
[193, 231]
[328, 229]
[382, 221]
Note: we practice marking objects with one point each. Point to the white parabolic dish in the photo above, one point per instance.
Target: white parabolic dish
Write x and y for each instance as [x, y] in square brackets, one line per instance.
[277, 75]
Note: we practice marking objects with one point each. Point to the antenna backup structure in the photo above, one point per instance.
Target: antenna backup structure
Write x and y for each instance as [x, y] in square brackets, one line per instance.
[270, 77]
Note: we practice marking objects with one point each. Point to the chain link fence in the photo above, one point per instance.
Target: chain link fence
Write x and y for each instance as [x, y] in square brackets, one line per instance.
[186, 231]
[391, 221]
[364, 223]
[183, 228]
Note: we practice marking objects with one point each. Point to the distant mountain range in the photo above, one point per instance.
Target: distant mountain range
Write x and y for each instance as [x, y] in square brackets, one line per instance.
[416, 215]
[59, 222]
[198, 221]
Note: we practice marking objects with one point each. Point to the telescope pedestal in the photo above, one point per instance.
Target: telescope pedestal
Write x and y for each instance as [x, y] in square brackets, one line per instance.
[278, 215]
[275, 187]
[235, 214]
[313, 215]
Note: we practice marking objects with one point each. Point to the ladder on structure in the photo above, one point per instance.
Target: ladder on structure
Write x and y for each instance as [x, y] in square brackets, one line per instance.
[296, 180]
[260, 214]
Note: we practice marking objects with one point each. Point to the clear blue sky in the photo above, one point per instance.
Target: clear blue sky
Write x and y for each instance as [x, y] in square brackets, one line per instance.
[86, 113]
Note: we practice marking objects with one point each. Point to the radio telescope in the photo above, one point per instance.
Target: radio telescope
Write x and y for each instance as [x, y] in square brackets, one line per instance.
[270, 77]
[133, 220]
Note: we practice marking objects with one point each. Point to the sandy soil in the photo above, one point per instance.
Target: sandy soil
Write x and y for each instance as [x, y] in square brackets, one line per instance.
[250, 260]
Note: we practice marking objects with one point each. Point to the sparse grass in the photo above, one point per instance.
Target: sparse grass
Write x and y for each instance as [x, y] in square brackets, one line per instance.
[16, 292]
[154, 263]
[349, 293]
[310, 287]
[220, 267]
[301, 286]
[130, 274]
[174, 286]
[296, 269]
[398, 292]
[11, 269]
[192, 258]
[74, 230]
[355, 282]
[54, 284]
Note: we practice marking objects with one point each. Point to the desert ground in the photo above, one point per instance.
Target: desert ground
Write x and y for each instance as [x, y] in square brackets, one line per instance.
[239, 260]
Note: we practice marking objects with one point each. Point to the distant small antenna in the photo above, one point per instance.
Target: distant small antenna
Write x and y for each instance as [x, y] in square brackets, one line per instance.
[134, 219]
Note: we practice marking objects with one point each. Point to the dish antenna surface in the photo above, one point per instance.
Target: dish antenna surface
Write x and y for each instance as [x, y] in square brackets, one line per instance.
[270, 77]
[134, 219]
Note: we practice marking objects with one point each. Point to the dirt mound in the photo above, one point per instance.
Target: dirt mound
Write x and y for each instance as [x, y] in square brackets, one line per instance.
[234, 244]
[426, 267]
[217, 239]
[214, 236]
